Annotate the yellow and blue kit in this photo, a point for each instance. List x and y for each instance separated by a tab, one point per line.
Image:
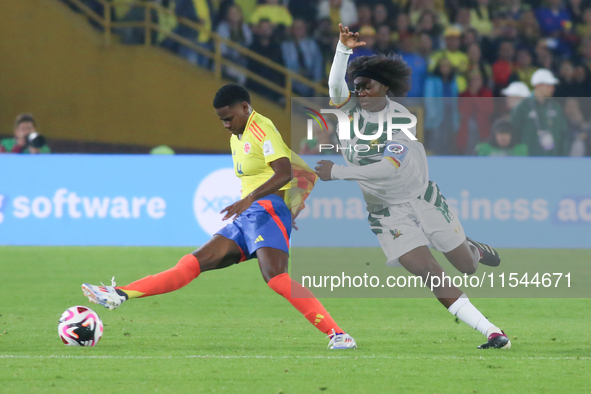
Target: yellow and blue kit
267	222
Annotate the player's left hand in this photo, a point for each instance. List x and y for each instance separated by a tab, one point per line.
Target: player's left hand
323	169
234	210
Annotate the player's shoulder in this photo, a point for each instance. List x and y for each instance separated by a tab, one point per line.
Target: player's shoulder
264	123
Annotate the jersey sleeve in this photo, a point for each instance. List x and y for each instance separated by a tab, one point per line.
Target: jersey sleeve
271	142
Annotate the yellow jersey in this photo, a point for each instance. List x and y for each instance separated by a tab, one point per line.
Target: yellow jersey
261	144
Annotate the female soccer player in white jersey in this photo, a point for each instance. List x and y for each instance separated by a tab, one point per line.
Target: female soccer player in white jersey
406	211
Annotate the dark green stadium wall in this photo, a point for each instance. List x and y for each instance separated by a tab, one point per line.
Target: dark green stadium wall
55	65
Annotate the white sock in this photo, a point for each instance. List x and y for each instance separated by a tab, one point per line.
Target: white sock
466	312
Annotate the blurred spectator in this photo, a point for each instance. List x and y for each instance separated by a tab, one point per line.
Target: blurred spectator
302	55
553	18
126	11
529	29
327	41
166	19
480	17
556	23
503	68
383	43
544	56
304	9
469	37
441	104
438	6
272	11
380	15
368	35
502	141
403	28
524	68
26	138
201	12
364	16
339	11
540	120
458	59
427	24
236	30
264	45
513	9
476	63
475	106
248	7
463	22
583	79
575	9
417	63
578	127
568	86
425	47
583	29
515	93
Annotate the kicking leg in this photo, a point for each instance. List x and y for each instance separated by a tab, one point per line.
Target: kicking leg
465	258
274	265
218	252
420	261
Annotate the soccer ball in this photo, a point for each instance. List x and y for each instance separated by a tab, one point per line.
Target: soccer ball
80	326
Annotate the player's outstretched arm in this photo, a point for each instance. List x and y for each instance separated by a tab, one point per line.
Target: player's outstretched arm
383	169
282	175
337	85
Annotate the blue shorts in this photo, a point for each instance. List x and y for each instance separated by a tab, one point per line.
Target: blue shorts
265	224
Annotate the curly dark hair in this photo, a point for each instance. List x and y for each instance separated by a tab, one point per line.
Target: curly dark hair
392	69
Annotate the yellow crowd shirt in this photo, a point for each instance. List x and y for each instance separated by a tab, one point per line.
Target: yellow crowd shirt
261	144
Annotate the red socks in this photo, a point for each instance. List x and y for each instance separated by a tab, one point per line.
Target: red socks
188	269
173	279
307	304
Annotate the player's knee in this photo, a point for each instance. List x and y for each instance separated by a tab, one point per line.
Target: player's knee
208	259
467	266
470	268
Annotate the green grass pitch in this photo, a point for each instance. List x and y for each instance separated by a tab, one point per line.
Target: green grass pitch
228	332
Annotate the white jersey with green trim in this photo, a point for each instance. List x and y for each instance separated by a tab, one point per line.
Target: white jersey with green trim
410	173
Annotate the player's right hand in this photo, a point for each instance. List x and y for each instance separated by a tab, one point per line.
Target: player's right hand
348	38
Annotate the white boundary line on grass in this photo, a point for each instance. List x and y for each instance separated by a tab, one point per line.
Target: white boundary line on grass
215	356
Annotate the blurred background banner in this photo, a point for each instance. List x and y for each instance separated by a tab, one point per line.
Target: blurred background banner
175	201
114	200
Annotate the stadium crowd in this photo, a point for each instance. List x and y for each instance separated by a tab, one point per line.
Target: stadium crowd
457	49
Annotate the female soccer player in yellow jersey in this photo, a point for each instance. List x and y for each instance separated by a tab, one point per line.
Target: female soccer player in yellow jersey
261	223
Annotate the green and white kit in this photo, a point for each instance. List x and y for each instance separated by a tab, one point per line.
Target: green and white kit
406	210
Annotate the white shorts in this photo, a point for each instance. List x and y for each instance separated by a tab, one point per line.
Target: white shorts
425	221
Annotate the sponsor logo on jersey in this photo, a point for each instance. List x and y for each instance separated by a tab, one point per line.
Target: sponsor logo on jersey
247	147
